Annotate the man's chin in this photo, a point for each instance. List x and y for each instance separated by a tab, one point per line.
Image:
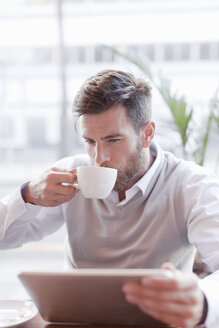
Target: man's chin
121	185
118	187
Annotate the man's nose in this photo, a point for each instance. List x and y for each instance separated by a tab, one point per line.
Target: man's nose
101	156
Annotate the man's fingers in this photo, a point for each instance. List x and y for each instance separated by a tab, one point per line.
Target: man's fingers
57	169
61	198
161	306
183	297
52	188
61	176
64	190
181	290
186	282
56	199
56	192
177	301
177	314
166	312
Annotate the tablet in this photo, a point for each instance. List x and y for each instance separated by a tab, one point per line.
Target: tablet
88	296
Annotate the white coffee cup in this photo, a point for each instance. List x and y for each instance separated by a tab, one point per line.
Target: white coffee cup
96	182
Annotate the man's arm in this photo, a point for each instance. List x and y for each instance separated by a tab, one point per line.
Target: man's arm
20	222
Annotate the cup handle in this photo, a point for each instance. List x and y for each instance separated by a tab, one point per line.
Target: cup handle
76	185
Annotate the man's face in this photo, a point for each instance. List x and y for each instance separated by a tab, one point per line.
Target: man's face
112	141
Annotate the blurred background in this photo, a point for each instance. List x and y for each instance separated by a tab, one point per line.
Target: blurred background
48	48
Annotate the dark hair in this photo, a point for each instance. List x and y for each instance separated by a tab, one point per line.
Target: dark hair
111	87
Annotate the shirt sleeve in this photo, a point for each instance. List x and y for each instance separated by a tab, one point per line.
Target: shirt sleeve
201	204
201	208
21	222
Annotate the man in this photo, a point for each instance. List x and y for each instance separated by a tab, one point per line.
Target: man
160	209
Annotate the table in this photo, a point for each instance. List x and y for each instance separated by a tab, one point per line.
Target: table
38	322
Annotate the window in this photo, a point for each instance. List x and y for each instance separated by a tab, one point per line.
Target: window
204	51
36	132
6	128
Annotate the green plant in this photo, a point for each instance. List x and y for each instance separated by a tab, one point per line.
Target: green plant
181	111
213	116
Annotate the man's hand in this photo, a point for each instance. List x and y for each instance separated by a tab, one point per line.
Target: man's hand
177	301
52	188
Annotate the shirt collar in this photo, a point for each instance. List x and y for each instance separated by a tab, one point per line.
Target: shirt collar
143	183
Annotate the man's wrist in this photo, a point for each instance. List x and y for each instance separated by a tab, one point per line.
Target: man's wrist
205	311
23	191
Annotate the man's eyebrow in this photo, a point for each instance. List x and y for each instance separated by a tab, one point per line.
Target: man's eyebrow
85	137
110	136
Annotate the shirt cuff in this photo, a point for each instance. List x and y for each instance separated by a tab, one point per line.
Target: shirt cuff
210	288
205	312
23	190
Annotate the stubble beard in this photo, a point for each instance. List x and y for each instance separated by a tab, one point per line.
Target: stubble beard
133	167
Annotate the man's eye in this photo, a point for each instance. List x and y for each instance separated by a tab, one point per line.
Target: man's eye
89	141
114	140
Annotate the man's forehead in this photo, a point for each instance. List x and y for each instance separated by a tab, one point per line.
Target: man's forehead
109	123
103	130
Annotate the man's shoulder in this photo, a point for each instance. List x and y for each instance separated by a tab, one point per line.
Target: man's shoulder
186	169
75	161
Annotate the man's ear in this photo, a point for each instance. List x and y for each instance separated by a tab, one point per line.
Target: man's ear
148	130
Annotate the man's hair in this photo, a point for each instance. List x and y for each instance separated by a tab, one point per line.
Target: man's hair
112	87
